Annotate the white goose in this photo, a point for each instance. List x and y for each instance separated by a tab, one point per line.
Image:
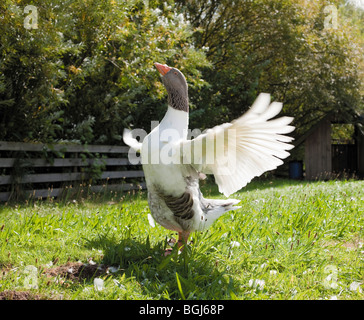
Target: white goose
234	153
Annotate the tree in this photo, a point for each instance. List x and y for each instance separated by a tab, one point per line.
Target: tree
87	71
280	47
30	73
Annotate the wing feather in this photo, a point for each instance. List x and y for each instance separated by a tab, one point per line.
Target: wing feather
247	147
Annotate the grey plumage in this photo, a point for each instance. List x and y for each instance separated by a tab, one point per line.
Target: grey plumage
176	85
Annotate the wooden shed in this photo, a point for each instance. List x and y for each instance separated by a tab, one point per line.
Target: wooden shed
325	159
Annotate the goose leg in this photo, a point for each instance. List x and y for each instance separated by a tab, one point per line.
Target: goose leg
182	239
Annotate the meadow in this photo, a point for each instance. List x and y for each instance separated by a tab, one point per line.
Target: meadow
290	240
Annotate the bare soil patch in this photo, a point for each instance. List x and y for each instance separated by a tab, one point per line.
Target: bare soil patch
71	271
18	295
76	271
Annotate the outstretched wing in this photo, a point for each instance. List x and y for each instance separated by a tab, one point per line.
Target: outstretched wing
247	147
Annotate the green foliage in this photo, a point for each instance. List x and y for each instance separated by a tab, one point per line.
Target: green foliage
87	71
342	133
30	73
280	47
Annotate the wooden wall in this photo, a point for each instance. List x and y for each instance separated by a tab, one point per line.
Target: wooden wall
318	163
25	168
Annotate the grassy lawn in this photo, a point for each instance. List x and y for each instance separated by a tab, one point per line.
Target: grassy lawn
290	240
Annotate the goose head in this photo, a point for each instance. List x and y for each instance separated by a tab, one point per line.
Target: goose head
176	85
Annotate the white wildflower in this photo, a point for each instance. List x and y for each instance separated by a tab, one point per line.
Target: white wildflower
330	282
256	283
306	271
156	11
86	289
180	18
151	220
293	291
273	272
355	286
98	284
118	284
234	244
113	269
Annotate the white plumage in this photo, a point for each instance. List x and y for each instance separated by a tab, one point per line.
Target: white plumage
257	145
233	152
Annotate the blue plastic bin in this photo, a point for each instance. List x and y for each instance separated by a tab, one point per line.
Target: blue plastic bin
296	170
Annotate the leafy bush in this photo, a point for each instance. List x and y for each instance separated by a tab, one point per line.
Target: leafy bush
87	71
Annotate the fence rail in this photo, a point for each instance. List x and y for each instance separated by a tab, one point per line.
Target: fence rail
41	170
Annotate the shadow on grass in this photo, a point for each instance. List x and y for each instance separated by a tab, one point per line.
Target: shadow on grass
185	275
209	187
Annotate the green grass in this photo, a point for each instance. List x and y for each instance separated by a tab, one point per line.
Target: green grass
284	243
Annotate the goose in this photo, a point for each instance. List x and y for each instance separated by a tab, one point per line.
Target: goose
234	153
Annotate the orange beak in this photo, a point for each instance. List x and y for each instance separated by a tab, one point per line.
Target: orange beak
162	68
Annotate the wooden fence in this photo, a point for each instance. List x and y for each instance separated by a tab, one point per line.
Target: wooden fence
39	171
